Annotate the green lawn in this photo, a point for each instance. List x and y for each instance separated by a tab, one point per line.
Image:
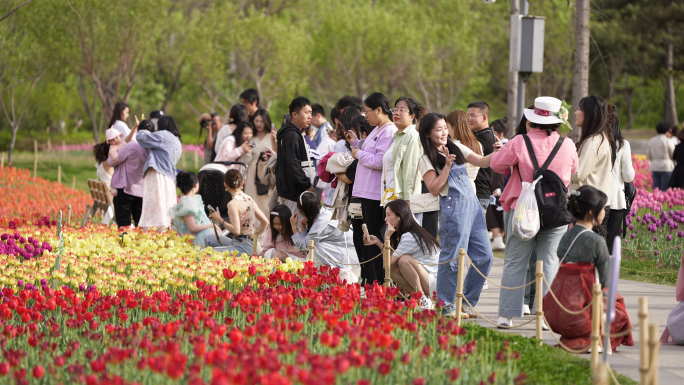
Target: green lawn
79	164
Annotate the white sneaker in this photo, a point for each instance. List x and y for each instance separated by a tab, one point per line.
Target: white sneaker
469	310
544	327
498	244
526	310
504	321
490	235
426	303
485	286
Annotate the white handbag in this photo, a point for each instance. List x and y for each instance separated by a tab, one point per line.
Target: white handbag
422	203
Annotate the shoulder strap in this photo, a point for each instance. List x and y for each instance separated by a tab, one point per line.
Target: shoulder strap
530	151
572	243
553	153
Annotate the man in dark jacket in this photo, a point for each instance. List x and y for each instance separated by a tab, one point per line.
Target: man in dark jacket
291	177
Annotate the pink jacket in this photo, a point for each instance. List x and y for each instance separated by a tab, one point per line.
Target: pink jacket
281	245
514	153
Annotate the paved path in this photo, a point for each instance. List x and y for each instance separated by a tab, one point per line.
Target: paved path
661	300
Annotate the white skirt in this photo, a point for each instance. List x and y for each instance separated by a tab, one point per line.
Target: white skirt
159	195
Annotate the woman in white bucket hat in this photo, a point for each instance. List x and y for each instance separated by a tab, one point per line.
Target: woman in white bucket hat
543	122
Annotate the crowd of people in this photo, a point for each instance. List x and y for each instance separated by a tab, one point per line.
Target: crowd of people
427	183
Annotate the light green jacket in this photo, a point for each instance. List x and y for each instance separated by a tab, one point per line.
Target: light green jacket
407	150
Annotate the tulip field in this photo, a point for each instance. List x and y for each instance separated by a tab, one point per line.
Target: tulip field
95	305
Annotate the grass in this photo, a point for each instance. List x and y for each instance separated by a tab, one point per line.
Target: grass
78	164
542	364
656	274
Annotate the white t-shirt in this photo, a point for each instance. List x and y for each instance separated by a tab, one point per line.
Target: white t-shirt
122	127
470	168
424	165
388	167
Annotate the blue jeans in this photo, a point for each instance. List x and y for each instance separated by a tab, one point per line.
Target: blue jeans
462	226
516	262
660	179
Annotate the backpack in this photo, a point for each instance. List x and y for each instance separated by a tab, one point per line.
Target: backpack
550	191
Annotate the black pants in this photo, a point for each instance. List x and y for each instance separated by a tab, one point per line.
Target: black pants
431	219
374	218
126	205
614	227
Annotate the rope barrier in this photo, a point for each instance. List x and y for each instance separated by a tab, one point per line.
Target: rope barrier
612	375
346	264
494	323
564	346
561	305
620	334
650	272
494	283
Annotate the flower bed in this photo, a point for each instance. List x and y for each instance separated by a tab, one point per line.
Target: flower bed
151	308
27	200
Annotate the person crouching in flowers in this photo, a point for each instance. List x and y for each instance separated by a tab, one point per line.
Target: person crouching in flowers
332	246
413	247
581	252
189	216
243	214
278	238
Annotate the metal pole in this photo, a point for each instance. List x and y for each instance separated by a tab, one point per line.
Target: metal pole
596	309
524	6
514	62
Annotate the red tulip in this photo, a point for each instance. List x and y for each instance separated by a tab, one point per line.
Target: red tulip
252	270
384	368
97	366
4	369
235	336
38	371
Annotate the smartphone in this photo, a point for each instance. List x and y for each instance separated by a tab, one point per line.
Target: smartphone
252	145
365	231
211	209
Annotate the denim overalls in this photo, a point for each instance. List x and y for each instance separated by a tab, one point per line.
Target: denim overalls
462	225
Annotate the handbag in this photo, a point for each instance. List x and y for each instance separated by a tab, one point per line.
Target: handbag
423	203
262	189
267	175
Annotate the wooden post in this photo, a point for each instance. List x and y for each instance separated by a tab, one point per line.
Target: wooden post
311	245
539	312
73	182
35	158
596	310
386	256
59	174
643	339
654	353
196	158
600	375
459	286
69	215
255	240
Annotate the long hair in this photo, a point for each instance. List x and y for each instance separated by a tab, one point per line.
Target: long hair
166	123
596	120
407	224
522	126
239	129
309	206
101	152
459	121
119	108
346	122
619	141
427	124
284	214
265	117
237	114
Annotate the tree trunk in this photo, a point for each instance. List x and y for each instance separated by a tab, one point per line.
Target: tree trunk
512	111
11	146
670	103
629	93
580	76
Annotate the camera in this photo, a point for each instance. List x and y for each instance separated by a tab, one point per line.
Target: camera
205	123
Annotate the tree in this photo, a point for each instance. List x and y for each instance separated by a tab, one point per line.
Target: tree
21	67
580	76
104	43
